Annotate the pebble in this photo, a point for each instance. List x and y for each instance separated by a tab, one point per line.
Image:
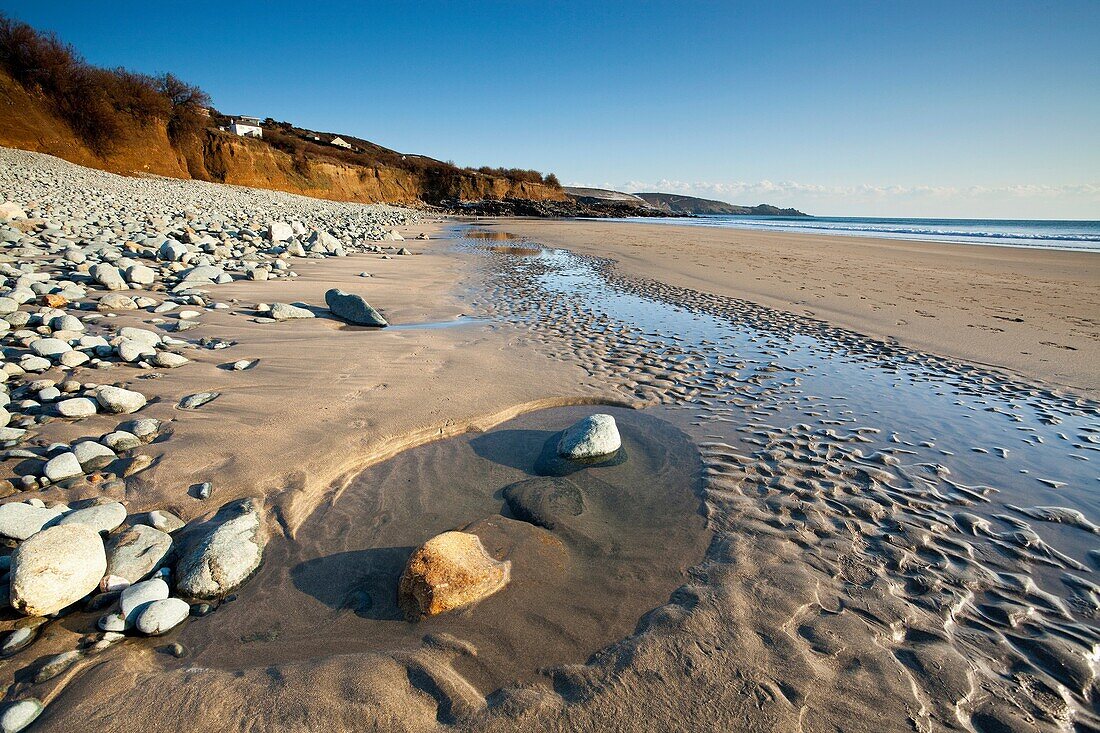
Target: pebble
161	616
135	598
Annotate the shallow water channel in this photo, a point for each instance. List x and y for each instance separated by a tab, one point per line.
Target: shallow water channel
970	495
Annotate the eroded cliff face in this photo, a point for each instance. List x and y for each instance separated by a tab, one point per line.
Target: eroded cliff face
26	122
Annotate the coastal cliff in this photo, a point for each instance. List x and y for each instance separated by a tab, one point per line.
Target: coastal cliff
29	122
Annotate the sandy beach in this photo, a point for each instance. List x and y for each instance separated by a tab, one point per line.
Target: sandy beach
1033	312
807	526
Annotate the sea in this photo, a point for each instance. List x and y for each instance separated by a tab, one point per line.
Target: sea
1083	236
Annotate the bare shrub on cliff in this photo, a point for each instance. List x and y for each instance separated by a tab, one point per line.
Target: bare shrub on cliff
98	104
188	103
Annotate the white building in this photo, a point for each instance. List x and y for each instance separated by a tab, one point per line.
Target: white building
340	143
246	127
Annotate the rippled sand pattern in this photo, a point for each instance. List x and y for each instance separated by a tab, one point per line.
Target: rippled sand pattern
903	542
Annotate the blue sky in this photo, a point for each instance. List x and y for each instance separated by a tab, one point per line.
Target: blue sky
883	108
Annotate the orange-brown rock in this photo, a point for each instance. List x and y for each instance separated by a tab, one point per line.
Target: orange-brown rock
53	300
451	570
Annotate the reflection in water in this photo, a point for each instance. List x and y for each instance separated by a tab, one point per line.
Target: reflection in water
930	494
526	251
490	234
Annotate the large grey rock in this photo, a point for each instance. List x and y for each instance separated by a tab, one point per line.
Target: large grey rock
286	312
141	275
595	435
108	276
353	309
277	231
136	552
118	400
103	518
135	598
56	568
61	467
18	521
92	455
50	347
172	251
141	336
116	302
162	616
168	360
131	351
224	552
76	407
204	273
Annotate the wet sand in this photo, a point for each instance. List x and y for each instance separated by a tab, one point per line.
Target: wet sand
897	541
1033	312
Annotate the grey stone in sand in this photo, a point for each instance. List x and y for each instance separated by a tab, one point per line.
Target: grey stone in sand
544	501
595	435
18	715
139	595
224	552
118	400
56	568
286	312
168	360
130	351
62	466
172	251
164	520
92	455
146	429
77	407
120	440
103	518
353	308
18	521
136	552
50	347
108	276
197	400
141	275
140	335
162	616
116	302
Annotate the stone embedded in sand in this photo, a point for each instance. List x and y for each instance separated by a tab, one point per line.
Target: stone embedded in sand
595	435
21	714
103	518
138	596
118	400
449	571
76	407
197	400
18	520
62	466
544	501
286	312
162	616
56	568
226	552
136	552
353	308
